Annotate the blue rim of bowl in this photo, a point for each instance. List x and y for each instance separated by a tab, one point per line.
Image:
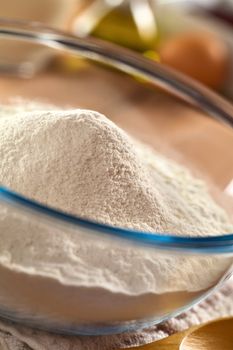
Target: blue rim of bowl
131	63
215	244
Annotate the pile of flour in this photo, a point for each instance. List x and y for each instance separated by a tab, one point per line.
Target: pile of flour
80	162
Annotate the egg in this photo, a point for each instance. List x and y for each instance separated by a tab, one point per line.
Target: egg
202	56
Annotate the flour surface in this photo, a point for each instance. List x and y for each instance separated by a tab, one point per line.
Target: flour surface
79	162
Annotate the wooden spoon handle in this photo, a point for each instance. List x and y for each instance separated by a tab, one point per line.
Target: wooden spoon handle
170	343
215	335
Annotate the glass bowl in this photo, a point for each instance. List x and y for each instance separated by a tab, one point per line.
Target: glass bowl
158	106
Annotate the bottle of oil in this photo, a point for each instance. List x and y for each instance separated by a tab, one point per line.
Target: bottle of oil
130	23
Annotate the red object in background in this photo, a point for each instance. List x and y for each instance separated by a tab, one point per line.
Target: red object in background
202	56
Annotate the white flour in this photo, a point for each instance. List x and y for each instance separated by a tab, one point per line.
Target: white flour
80	162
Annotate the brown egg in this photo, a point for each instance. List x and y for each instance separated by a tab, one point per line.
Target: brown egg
202	56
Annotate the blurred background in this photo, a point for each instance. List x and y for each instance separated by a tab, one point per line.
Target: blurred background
194	37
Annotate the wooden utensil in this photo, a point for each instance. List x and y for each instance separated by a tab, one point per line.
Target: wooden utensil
216	335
